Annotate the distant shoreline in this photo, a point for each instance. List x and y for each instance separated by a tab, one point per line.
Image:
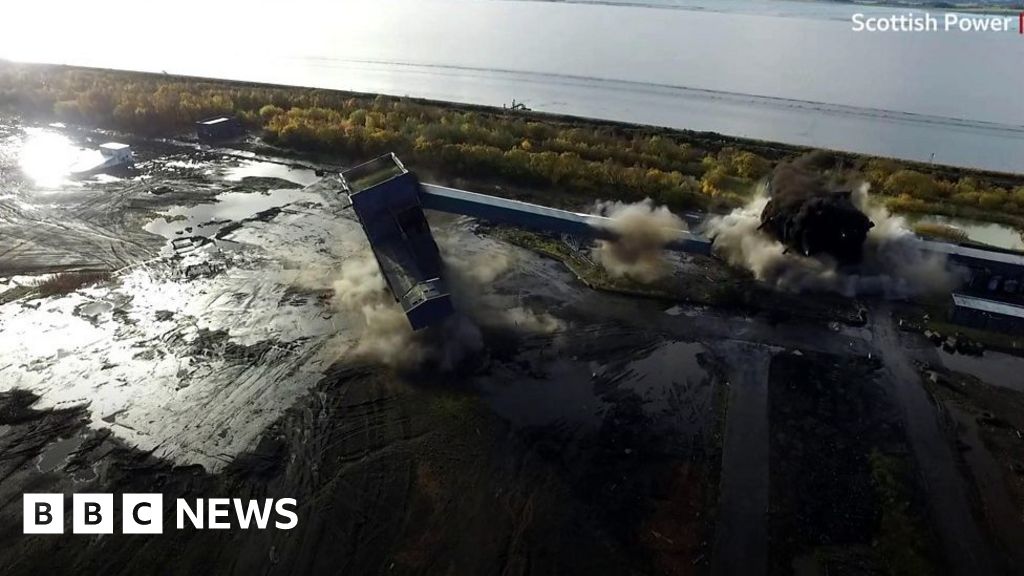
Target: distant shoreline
551	154
984	7
979	7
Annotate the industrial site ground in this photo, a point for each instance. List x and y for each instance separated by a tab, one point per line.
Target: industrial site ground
176	329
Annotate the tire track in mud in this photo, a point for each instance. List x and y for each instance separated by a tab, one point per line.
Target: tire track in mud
59	239
90	224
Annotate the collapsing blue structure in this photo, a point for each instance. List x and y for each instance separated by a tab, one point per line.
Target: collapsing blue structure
385	197
540	218
389	201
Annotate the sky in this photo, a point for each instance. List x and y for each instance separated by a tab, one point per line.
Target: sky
131	33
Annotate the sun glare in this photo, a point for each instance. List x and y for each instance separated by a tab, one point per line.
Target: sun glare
46	158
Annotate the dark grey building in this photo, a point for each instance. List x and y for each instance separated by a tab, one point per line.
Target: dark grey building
990	261
987	314
220	128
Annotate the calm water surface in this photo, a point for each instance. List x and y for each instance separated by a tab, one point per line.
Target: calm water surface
777	70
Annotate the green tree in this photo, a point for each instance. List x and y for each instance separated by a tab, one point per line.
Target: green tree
269	111
910	183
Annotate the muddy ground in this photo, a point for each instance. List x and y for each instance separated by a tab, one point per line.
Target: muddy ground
836	434
554	429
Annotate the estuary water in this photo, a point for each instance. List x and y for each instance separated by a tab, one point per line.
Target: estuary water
777	70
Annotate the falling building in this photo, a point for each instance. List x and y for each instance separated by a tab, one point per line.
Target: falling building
386	198
389	201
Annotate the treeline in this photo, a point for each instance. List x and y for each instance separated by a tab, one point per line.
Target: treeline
968	195
599	160
593	160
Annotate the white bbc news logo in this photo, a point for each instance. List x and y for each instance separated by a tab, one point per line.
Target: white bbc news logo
144	514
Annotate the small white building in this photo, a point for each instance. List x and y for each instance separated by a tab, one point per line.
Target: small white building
111	155
116	152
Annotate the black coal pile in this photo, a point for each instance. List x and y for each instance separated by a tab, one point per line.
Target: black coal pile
812	215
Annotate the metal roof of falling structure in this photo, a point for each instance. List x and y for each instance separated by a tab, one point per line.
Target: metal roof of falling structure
989	306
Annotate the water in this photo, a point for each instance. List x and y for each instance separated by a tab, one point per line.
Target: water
46	157
253	168
207	219
671	379
668	381
58	453
998	235
994	368
49	159
776	70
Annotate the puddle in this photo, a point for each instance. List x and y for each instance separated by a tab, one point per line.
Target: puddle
57	453
207	219
687	311
253	168
994	368
998	235
188	167
563	393
94	310
669	381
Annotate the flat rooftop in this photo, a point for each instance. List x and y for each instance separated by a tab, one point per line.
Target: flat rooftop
1008	258
990	306
369	174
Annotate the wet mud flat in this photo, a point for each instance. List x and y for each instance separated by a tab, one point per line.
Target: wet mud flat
984	423
638	440
845	494
208	363
406	473
59	223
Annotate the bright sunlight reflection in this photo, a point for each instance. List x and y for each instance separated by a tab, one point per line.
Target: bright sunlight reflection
47	157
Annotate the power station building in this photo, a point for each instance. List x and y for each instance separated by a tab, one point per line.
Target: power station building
389	201
992	296
386	198
985	314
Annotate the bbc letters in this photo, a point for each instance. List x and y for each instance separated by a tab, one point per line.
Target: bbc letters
144	514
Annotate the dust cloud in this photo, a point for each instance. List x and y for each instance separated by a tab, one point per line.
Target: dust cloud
471	278
892	264
378	331
642	231
813	213
373	328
